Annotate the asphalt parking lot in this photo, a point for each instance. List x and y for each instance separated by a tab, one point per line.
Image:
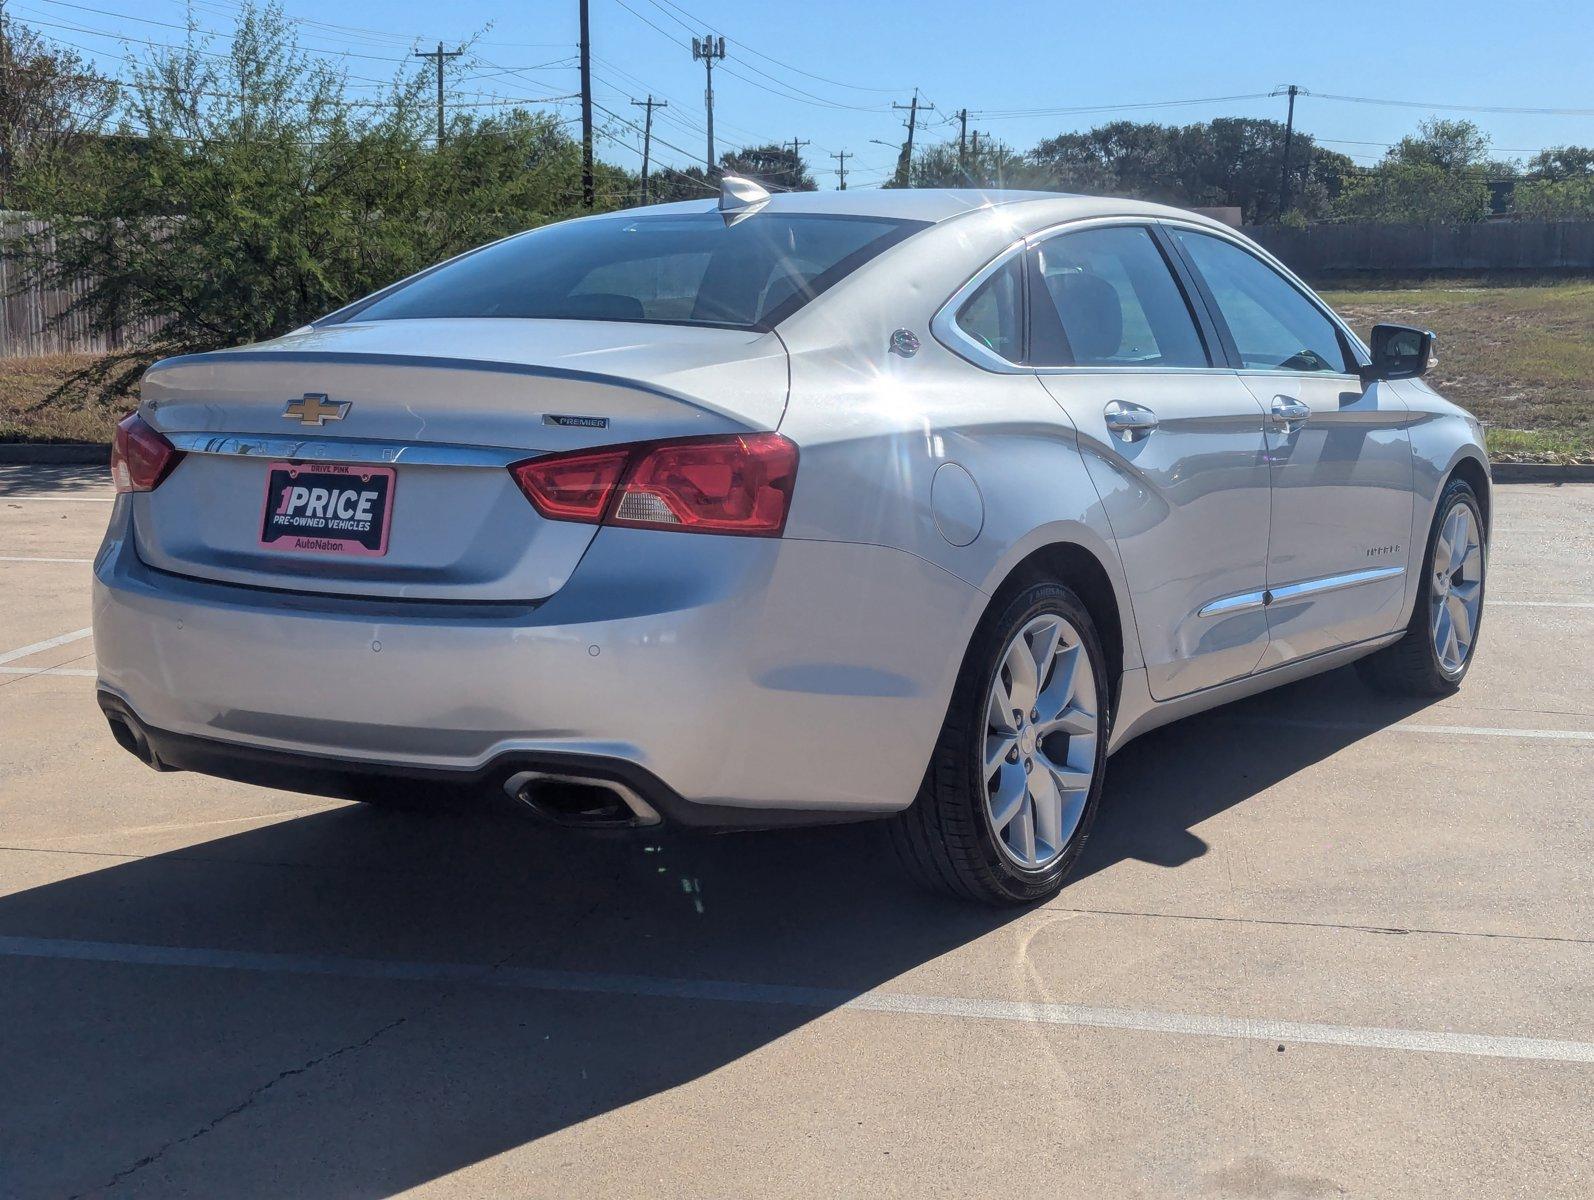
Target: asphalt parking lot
1322	944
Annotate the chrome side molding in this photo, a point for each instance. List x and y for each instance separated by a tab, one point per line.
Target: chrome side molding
1250	601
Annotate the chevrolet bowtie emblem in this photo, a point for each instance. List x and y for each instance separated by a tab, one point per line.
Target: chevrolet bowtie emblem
316	409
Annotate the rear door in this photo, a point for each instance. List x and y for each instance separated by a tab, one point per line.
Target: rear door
1172	439
1339	451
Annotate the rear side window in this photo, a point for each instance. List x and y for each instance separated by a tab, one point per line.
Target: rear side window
994	314
1106	298
1273	325
686	269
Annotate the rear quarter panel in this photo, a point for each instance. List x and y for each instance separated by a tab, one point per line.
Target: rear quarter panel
875	427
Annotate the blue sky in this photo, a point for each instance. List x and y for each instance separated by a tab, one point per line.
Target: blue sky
992	56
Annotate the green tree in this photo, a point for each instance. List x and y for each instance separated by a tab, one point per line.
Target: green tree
1562	162
50	102
775	166
1438	176
984	164
1231	161
1555	199
246	194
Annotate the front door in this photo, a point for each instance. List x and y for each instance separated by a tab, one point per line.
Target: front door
1173	443
1339	455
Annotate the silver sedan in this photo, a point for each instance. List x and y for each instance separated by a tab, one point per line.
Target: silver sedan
911	505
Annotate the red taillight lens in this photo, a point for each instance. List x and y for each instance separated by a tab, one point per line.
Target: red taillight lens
140	456
739	485
572	487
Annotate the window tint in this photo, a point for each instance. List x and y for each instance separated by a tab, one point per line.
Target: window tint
1273	325
994	314
1106	298
690	268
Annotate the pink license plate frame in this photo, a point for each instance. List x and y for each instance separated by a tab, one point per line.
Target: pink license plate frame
297	524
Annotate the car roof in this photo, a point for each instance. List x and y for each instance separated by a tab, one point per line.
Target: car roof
928	204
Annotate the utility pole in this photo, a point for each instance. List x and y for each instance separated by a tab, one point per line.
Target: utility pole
709	49
647	135
1289	135
585	52
439	55
841	157
905	163
796	160
963	137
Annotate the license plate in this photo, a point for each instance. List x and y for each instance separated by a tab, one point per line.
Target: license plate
327	508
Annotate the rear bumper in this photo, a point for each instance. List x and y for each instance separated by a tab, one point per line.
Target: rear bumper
494	783
704	673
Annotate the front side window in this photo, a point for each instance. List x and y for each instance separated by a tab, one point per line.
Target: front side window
1105	297
685	269
1273	325
994	314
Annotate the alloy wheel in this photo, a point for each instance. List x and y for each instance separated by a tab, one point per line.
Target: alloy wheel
1042	727
1457	588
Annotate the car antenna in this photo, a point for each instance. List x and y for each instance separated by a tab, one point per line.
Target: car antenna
740	197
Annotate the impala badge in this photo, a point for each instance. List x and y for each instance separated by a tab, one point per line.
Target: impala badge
316	409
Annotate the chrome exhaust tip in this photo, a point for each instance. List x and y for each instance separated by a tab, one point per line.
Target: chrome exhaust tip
580	801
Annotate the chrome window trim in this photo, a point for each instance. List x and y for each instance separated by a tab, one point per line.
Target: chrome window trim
1246	246
348	450
946	330
1227	606
944	326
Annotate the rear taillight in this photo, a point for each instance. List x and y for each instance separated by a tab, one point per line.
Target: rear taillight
140	456
739	485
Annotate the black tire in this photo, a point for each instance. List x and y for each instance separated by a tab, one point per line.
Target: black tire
945	839
1411	666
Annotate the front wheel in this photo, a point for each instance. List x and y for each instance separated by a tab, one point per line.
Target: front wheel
1015	779
1433	656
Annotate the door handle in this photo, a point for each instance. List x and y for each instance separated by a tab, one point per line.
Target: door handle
1130	421
1288	414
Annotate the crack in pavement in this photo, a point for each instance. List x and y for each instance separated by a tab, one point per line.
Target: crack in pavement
243	1105
259	1091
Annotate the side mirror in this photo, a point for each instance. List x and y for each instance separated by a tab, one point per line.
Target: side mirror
1400	352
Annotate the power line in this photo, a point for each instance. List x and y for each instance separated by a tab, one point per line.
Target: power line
1477	108
769	58
1009	113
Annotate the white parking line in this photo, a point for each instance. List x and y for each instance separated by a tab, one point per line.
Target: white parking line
78	671
47	644
1570	735
1428	1041
32	558
1539	603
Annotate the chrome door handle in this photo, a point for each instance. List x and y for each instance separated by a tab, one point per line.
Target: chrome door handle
1131	421
1287	414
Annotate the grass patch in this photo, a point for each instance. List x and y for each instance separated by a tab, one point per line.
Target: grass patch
1519	354
24	415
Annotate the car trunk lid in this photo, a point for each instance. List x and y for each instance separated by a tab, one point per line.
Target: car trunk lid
445	406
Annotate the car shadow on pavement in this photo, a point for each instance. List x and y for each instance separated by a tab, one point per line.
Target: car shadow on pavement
1167	782
286	1064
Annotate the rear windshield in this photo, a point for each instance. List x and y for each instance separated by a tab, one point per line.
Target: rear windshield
689	269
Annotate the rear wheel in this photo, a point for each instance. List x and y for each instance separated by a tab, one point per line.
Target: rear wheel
1433	656
1015	779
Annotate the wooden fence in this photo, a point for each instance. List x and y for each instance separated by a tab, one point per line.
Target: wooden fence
1324	251
27	313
